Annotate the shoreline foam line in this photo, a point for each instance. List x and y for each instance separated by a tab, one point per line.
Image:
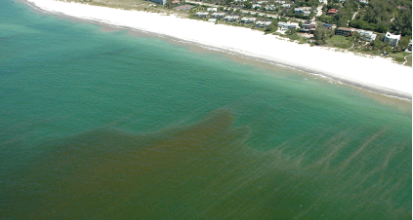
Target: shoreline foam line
376	74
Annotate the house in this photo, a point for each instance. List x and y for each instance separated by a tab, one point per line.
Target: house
212	20
392	39
269	8
288	25
212	9
280	2
256	6
364	2
161	2
343	31
328	26
231	18
302	10
218	15
323	1
175	2
201	14
262	24
286	6
248	20
309	27
367	35
261	2
332	11
341	1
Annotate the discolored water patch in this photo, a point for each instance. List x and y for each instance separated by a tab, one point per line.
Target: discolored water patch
204	171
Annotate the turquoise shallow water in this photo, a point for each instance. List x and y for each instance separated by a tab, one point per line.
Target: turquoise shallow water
97	125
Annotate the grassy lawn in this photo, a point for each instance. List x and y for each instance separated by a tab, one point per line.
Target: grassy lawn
339	42
399	57
409	60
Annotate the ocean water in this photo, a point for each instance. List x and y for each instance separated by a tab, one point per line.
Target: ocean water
114	125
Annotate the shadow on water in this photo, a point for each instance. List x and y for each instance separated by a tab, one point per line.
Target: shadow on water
206	171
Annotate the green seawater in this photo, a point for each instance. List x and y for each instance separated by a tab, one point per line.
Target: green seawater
113	125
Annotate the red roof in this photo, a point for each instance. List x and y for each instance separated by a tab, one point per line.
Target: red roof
332	11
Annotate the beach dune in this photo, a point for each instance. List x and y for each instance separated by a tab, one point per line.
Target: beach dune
373	73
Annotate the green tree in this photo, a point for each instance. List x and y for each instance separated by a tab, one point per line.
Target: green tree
248	5
404	43
322	34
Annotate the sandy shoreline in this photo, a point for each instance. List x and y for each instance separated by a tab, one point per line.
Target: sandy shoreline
374	74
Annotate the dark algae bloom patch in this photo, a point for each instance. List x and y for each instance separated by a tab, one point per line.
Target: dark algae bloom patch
206	170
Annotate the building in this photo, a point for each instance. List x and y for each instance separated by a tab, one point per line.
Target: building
280	2
263	24
367	35
332	11
218	15
364	2
261	2
201	14
287	25
309	27
269	7
256	6
302	10
231	18
212	9
342	31
175	2
392	39
248	20
323	1
286	6
328	26
161	2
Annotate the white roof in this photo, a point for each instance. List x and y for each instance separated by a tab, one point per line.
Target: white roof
248	19
392	36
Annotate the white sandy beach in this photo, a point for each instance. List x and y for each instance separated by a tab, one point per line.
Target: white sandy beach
377	74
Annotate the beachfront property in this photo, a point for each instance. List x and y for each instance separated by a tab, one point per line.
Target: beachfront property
212	9
231	18
248	20
212	20
256	6
288	25
367	35
392	39
309	26
343	31
201	14
332	11
263	24
218	15
161	2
